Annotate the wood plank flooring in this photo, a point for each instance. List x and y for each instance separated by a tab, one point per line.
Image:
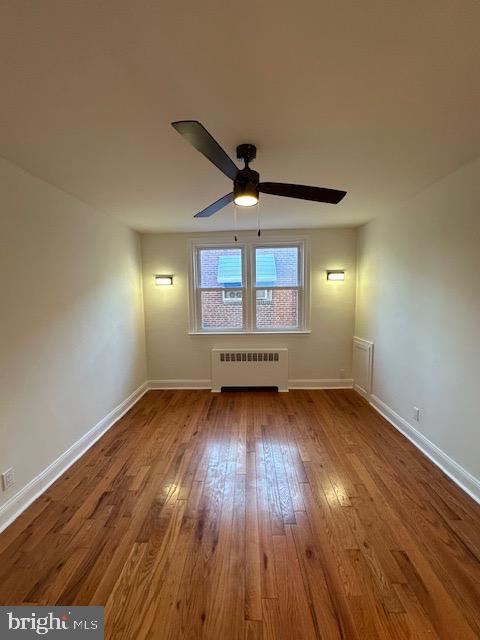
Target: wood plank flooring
253	516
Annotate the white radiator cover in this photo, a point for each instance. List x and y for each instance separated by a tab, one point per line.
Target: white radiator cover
362	366
250	368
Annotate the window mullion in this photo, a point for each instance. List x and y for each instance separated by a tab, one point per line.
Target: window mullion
198	309
253	295
248	288
300	310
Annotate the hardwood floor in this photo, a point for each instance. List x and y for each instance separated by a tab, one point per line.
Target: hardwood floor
253	516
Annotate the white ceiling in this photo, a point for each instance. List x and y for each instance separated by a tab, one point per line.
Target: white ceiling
378	97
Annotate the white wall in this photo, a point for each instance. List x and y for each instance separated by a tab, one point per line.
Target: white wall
418	300
174	354
72	343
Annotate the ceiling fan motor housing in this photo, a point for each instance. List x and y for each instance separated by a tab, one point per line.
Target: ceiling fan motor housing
246	183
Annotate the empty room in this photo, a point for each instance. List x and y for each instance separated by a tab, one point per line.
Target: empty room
239	320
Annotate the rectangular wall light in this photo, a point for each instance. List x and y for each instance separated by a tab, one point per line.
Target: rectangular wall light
336	275
164	280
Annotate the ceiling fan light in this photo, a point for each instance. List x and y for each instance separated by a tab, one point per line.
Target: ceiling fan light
245	193
246	200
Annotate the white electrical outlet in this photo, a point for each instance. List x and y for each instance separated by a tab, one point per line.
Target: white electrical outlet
342	374
416	413
8	479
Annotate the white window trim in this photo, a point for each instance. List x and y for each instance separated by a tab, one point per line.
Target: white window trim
248	290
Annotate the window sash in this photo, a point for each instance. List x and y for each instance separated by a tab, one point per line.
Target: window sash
226	329
299	326
299	287
198	289
299	246
198	264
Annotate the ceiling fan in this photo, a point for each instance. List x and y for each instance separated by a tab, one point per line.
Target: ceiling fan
246	181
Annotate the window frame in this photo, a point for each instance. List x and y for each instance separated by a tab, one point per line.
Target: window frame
299	287
249	288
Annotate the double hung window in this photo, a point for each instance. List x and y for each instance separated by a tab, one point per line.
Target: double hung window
248	288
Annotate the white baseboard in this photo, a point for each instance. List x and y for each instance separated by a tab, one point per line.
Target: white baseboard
180	384
327	383
11	509
321	383
363	392
452	469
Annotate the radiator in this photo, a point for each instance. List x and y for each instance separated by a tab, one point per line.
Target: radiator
250	368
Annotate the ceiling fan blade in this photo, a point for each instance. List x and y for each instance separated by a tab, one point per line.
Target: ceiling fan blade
199	137
215	206
317	194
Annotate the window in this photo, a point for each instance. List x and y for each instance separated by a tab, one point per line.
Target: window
219	282
232	296
264	294
248	288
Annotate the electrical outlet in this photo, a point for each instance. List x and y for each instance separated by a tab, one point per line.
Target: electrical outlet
416	413
342	374
8	479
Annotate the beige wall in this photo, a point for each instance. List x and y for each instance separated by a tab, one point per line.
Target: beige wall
174	354
71	321
418	300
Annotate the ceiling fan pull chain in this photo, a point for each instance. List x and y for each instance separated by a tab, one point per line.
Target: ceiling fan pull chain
259	233
235	222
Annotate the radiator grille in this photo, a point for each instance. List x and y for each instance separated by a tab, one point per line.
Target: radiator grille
249	356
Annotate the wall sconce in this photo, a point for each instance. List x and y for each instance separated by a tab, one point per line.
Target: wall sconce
336	274
164	280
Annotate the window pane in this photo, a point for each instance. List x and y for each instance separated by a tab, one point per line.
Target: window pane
276	266
220	268
220	310
276	309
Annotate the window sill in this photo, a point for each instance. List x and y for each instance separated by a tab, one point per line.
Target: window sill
249	333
